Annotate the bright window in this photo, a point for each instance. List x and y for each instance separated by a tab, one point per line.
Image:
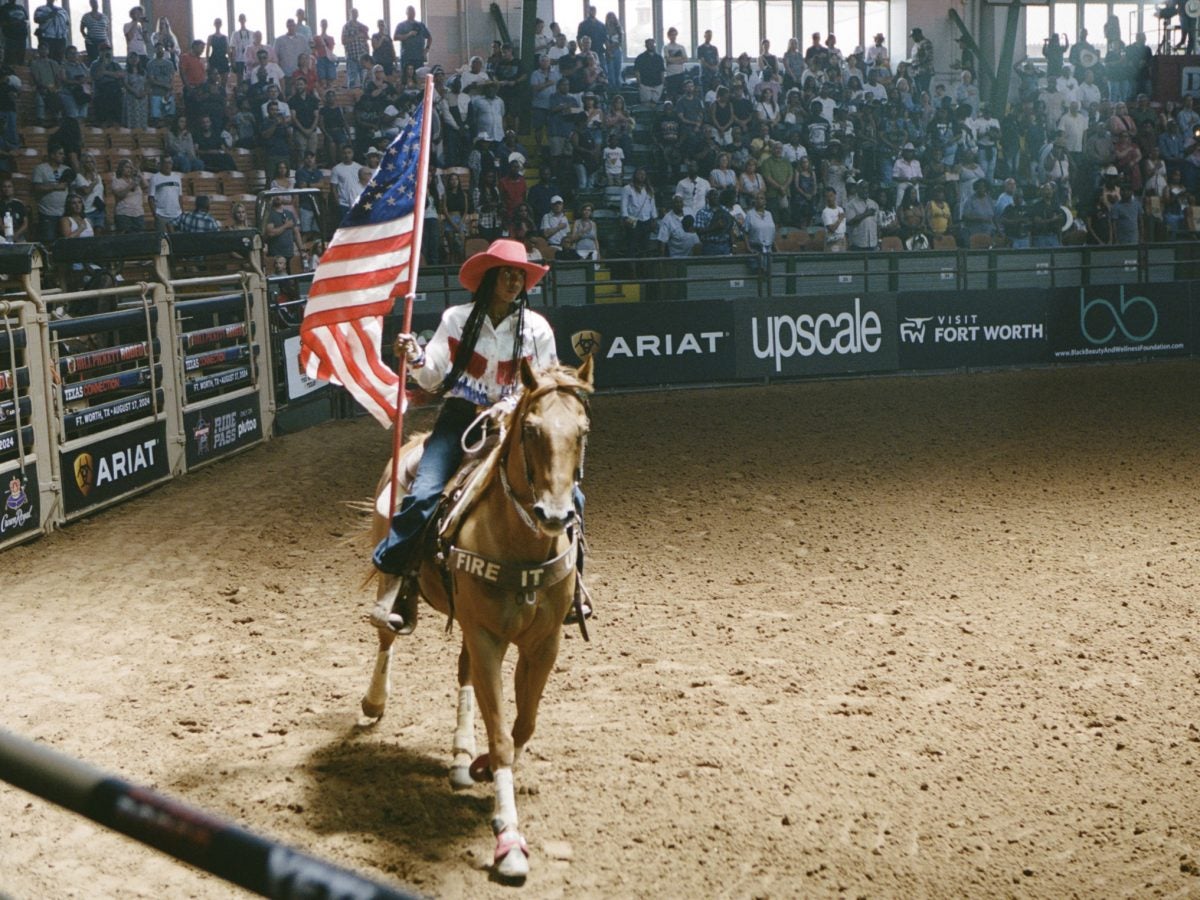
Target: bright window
780	26
710	16
1127	16
1037	29
678	14
875	21
846	27
639	25
815	18
744	19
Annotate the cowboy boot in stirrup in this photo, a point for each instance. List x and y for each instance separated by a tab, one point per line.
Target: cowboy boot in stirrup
398	613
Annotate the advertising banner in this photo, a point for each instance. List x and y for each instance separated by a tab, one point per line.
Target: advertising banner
221	428
298	383
19	511
113	466
1108	322
647	344
798	337
975	328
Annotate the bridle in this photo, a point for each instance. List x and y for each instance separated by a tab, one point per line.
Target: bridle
518	423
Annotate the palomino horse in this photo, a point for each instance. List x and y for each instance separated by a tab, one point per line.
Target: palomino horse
511	577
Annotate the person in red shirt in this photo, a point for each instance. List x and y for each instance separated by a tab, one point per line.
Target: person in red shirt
192	67
513	188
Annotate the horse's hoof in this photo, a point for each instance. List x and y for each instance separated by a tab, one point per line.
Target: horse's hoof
481	768
460	778
372	710
512	856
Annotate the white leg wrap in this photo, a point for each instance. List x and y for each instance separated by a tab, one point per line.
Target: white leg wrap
464	733
506	804
380	686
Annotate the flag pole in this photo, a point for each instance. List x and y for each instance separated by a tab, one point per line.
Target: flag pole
410	288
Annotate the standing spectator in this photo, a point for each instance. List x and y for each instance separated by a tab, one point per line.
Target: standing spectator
73	223
906	172
14	26
166	193
777	173
383	51
1016	222
199	220
344	182
513	189
326	59
288	47
614	162
714	224
137	41
47	75
614	51
555	225
760	230
694	189
160	75
107	77
265	72
356	39
129	214
877	55
136	110
193	71
938	217
218	53
414	39
922	60
282	232
584	239
239	43
53	31
833	218
302	27
164	37
1125	219
487	113
276	136
213	145
978	213
710	64
637	214
595	31
649	69
95	28
306	134
862	224
308	175
50	187
542	83
457	214
75	91
1046	219
675	56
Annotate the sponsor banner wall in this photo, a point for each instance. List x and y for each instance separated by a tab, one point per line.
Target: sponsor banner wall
221	428
648	343
110	467
1108	322
19	511
977	328
815	336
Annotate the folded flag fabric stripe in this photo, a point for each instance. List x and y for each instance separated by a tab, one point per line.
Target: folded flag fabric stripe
367	266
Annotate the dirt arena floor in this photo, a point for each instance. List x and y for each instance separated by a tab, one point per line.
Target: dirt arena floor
922	637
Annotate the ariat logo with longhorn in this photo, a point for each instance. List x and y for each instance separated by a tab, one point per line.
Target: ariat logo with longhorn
585	343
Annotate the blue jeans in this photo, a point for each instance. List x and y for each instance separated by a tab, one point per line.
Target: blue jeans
1046	240
440	459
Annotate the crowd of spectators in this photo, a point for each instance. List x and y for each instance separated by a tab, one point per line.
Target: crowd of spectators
663	153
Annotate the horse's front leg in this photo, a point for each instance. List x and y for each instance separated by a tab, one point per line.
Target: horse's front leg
464	732
487	654
533	671
375	700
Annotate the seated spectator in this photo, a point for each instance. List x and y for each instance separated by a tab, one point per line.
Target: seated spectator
199	220
181	147
213	145
10	205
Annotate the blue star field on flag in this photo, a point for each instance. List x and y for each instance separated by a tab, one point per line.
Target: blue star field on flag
391	191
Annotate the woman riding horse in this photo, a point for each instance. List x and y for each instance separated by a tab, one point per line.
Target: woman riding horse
474	360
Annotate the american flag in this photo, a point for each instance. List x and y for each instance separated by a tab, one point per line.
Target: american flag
368	264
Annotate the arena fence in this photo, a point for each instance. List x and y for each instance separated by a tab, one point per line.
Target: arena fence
256	863
112	390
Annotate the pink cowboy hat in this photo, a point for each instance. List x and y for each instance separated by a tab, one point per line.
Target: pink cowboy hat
500	253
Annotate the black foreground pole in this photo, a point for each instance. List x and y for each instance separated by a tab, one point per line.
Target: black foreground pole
186	833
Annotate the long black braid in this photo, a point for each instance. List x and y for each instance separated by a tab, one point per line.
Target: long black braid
470	336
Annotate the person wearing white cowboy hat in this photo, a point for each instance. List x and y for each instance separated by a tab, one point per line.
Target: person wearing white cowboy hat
473	360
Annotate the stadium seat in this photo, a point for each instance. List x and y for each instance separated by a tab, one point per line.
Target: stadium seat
981	242
945	242
891	244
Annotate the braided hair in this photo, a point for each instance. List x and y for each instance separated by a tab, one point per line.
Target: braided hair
474	324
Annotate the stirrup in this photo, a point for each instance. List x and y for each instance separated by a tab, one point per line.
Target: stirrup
572	617
401	616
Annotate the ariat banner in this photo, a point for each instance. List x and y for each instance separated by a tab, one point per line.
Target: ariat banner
113	466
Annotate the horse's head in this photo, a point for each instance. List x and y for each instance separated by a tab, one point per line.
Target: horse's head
551	428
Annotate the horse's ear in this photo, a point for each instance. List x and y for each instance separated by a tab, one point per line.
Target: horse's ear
584	372
528	378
